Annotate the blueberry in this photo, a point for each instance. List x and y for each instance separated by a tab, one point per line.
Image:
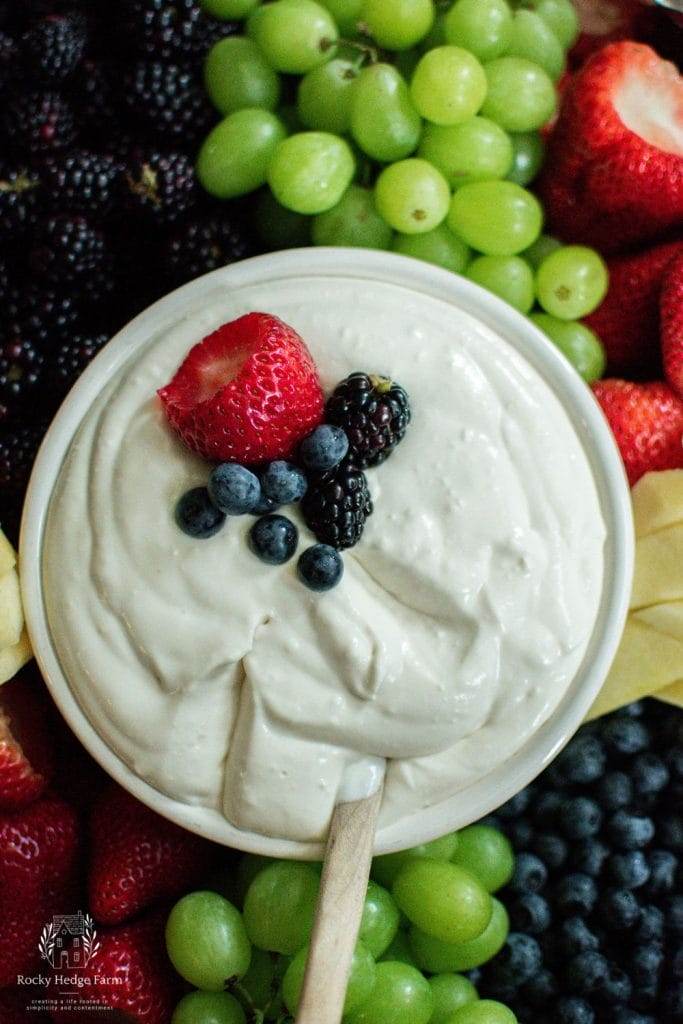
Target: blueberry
618	909
625	1015
274	539
552	850
673	914
540	988
324	448
663	866
586	971
671	831
519	959
580	818
196	515
582	760
616	987
546	808
572	1010
672	1001
516	805
649	773
521	833
320	567
530	874
234	489
646	962
651	924
576	894
589	856
630	831
283	483
576	937
677	963
674	759
615	790
625	736
264	506
629	870
530	913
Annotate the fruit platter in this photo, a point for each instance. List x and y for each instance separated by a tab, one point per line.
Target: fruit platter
341	467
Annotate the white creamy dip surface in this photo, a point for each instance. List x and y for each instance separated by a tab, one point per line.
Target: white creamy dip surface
461	619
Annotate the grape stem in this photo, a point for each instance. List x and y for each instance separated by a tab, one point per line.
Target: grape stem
369	52
253	1014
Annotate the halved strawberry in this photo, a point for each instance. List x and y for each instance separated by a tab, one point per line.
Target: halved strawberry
647	423
247	393
614	173
26	740
672	323
627	321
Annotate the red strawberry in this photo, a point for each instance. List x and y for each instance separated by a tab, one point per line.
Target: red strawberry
247	393
627	322
26	743
614	173
672	324
134	955
38	864
647	422
139	858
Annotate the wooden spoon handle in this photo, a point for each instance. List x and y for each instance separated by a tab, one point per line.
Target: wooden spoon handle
340	906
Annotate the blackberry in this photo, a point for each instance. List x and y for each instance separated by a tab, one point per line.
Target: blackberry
161	186
201	246
38	124
18	447
175	30
82	182
336	506
72	357
374	412
168	100
54	46
21	370
69	248
18	192
9	59
43	314
95	98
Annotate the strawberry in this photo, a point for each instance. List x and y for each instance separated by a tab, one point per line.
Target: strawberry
145	989
26	743
627	322
647	423
672	324
39	847
614	172
139	858
247	393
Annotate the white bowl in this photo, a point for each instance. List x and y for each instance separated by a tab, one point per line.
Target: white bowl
367	267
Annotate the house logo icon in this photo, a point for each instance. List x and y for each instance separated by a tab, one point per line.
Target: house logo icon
69	942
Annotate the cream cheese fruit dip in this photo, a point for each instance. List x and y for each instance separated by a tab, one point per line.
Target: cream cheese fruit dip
461	619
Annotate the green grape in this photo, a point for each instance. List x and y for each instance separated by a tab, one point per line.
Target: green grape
361	979
542	247
478	150
439	246
486	1011
280	228
399	951
401	995
208	1008
236	76
250	864
280	905
229	10
310	171
571	282
497	218
354	221
578	343
207	941
450	991
528	155
521	96
385	868
235	156
294	35
398	24
384	122
412	196
483	850
324	96
443	900
380	920
511	279
562	17
347	13
448	85
484	27
533	38
437	957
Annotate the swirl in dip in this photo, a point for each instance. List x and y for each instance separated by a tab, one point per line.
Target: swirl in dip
462	617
